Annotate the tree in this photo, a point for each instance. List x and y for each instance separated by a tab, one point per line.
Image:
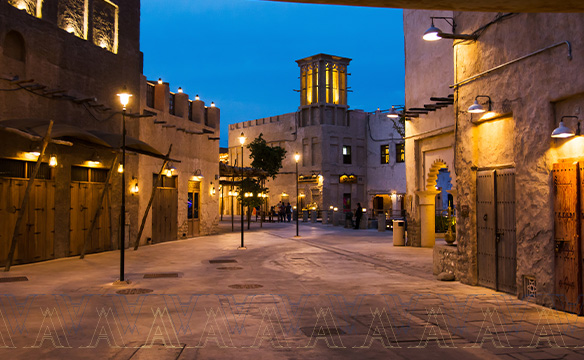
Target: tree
265	157
249	189
399	125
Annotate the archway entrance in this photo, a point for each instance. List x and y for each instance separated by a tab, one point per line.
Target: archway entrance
438	187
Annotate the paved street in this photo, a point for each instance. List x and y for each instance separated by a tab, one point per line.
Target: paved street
332	293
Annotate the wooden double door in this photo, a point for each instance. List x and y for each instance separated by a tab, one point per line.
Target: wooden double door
85	201
37	232
165	210
496	240
568	186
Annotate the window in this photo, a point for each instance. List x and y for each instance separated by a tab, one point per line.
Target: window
171	104
32	7
150	95
384	154
23	169
400	153
336	84
346	154
190	110
85	174
309	84
105	25
14	46
193	205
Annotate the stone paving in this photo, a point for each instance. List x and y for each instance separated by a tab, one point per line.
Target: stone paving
332	293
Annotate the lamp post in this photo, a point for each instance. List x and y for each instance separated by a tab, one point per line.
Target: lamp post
297	158
242	141
124	100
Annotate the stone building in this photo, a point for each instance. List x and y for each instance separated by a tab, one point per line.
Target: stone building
518	192
347	156
66	61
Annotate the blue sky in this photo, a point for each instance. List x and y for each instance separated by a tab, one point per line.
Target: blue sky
241	53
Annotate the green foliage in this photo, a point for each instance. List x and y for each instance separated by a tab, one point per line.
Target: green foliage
265	157
253	186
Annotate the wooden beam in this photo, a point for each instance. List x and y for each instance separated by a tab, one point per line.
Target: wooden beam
158	178
98	211
27	192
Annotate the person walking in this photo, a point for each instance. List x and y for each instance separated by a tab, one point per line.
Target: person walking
282	214
358	215
278	209
289	212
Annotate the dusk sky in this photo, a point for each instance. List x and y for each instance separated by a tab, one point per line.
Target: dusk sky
241	53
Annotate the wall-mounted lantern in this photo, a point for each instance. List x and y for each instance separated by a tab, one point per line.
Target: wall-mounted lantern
563	131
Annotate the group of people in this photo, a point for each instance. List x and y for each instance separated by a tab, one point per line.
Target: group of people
282	211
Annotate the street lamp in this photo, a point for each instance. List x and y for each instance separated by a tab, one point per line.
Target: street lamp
297	158
242	141
124	100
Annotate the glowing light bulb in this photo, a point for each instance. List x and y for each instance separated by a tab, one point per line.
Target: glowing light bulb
53	161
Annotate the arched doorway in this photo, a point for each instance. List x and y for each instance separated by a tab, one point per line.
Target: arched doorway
438	177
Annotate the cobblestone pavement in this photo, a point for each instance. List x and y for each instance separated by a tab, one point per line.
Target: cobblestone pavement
332	293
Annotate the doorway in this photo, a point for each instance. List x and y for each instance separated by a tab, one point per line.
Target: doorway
164	210
568	190
193	203
496	241
87	186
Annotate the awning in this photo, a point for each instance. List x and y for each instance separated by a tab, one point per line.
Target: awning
38	128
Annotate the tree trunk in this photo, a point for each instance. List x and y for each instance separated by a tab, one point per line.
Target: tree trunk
248	216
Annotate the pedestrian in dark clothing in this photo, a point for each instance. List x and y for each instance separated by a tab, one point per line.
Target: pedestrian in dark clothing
272	213
358	215
289	212
282	213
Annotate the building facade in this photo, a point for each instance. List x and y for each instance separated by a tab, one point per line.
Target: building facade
67	61
341	163
518	189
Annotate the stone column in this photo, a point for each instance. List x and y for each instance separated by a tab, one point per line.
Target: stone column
324	217
427	216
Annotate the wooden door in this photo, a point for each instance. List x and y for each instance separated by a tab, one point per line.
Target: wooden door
566	239
486	238
496	240
505	233
193	208
85	198
165	211
37	232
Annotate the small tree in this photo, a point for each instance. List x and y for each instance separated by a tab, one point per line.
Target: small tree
265	157
251	187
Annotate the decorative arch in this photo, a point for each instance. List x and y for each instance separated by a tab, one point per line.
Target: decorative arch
433	173
14	46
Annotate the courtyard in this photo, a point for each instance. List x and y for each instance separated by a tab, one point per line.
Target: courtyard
332	293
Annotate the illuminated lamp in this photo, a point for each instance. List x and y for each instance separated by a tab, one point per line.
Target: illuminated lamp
53	160
124	97
242	139
197	97
121	168
393	113
94	161
563	131
180	90
159	81
212	104
297	157
433	33
477	108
